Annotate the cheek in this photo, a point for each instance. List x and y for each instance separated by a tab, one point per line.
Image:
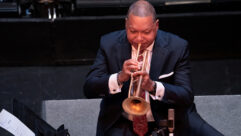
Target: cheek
151	37
130	37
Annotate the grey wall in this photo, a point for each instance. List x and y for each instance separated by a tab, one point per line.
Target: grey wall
33	84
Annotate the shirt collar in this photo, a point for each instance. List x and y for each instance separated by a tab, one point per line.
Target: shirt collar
150	47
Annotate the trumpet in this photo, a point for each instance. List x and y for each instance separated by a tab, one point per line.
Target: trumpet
135	104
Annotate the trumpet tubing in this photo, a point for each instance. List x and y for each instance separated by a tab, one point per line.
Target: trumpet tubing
134	104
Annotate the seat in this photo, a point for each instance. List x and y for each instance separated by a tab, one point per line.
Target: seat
80	115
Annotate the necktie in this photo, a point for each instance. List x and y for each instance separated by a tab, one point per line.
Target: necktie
140	125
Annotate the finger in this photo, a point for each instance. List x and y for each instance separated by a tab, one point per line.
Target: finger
146	76
131	62
132	68
138	73
129	73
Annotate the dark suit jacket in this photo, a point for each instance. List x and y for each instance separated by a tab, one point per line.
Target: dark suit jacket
170	54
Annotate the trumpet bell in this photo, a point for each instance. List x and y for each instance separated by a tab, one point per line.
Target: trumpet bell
135	106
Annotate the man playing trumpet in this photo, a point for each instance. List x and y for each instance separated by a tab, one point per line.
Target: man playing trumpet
165	79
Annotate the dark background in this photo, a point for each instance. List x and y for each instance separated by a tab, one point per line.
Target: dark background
44	59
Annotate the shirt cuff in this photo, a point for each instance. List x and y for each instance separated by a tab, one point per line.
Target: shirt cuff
160	90
113	84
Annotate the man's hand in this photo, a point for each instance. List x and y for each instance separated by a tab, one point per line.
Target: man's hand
147	84
128	67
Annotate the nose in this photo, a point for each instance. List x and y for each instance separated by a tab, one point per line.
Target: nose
139	37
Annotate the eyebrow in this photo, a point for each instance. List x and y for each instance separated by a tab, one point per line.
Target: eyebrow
149	27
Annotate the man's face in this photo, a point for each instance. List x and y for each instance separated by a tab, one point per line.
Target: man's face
141	30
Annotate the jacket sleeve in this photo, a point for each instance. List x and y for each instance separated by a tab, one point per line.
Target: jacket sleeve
179	91
96	84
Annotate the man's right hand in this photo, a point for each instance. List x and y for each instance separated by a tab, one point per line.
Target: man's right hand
128	67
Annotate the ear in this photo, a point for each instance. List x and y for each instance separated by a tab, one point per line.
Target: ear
126	22
157	24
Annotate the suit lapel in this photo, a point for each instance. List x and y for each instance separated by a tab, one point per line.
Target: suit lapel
124	53
159	55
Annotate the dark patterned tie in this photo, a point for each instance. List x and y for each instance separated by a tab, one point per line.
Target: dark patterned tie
140	125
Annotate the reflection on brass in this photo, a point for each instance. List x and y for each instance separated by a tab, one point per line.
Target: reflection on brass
135	106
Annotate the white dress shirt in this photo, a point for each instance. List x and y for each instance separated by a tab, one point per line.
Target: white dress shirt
115	88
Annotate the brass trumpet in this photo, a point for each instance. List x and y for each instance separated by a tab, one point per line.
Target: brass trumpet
134	104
